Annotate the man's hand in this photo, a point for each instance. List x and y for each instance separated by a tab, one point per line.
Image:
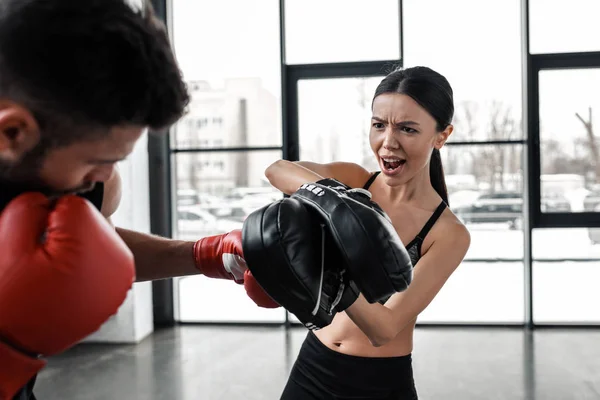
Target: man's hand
222	257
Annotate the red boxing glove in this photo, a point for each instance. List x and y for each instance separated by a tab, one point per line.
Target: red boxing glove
16	368
63	272
222	257
256	292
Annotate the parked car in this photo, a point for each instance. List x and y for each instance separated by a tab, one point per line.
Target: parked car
254	197
498	207
592	201
236	211
554	202
189	197
506	207
594	235
194	222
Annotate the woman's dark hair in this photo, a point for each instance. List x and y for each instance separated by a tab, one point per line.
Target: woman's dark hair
432	92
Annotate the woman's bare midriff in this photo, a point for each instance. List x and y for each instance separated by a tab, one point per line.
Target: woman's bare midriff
343	336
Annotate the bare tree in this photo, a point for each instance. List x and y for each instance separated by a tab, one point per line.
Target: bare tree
465	128
491	161
553	157
465	125
593	144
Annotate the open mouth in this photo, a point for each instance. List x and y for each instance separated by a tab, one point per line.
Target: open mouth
392	164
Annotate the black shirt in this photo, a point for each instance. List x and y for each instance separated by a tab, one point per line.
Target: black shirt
9	192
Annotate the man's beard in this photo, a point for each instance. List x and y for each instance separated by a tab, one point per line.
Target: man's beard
25	175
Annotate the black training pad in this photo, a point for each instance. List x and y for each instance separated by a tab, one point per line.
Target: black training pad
282	247
376	257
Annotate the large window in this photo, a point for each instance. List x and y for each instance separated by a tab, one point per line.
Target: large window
334	117
564	163
480	56
569	140
485	185
565	275
338	30
483	160
561	27
230	61
522	166
230	58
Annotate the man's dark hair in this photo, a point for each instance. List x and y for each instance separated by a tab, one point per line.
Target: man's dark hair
82	66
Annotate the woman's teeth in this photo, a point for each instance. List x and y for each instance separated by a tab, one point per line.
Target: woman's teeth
392	164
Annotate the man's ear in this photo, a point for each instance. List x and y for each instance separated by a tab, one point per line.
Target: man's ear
442	137
19	131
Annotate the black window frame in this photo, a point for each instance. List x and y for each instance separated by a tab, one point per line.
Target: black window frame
161	152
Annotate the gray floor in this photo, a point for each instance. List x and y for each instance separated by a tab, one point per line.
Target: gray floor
229	363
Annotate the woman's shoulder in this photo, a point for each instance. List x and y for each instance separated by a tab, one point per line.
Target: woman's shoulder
448	231
451	231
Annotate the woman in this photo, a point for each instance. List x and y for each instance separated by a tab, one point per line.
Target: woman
366	351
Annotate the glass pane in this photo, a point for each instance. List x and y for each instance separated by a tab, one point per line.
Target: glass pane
337	31
485	191
496	286
561	27
215	192
480	292
565	276
569	140
485	186
485	73
217	300
334	120
235	81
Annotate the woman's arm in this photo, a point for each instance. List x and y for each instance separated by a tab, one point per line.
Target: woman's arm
382	323
288	176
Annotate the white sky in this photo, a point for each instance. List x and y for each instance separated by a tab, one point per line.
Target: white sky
474	43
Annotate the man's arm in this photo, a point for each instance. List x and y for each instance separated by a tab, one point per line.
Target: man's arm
159	258
155	257
217	256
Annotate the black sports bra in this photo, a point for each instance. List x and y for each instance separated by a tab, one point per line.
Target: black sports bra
414	247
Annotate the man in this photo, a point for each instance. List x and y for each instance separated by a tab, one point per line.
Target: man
80	82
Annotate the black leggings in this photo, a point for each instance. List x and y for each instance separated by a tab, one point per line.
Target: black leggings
324	374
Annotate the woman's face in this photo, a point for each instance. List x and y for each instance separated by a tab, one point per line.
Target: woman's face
402	136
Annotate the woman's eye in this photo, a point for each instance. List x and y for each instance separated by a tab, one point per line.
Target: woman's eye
378	125
408	130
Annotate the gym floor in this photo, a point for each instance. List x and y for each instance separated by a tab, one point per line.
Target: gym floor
213	363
